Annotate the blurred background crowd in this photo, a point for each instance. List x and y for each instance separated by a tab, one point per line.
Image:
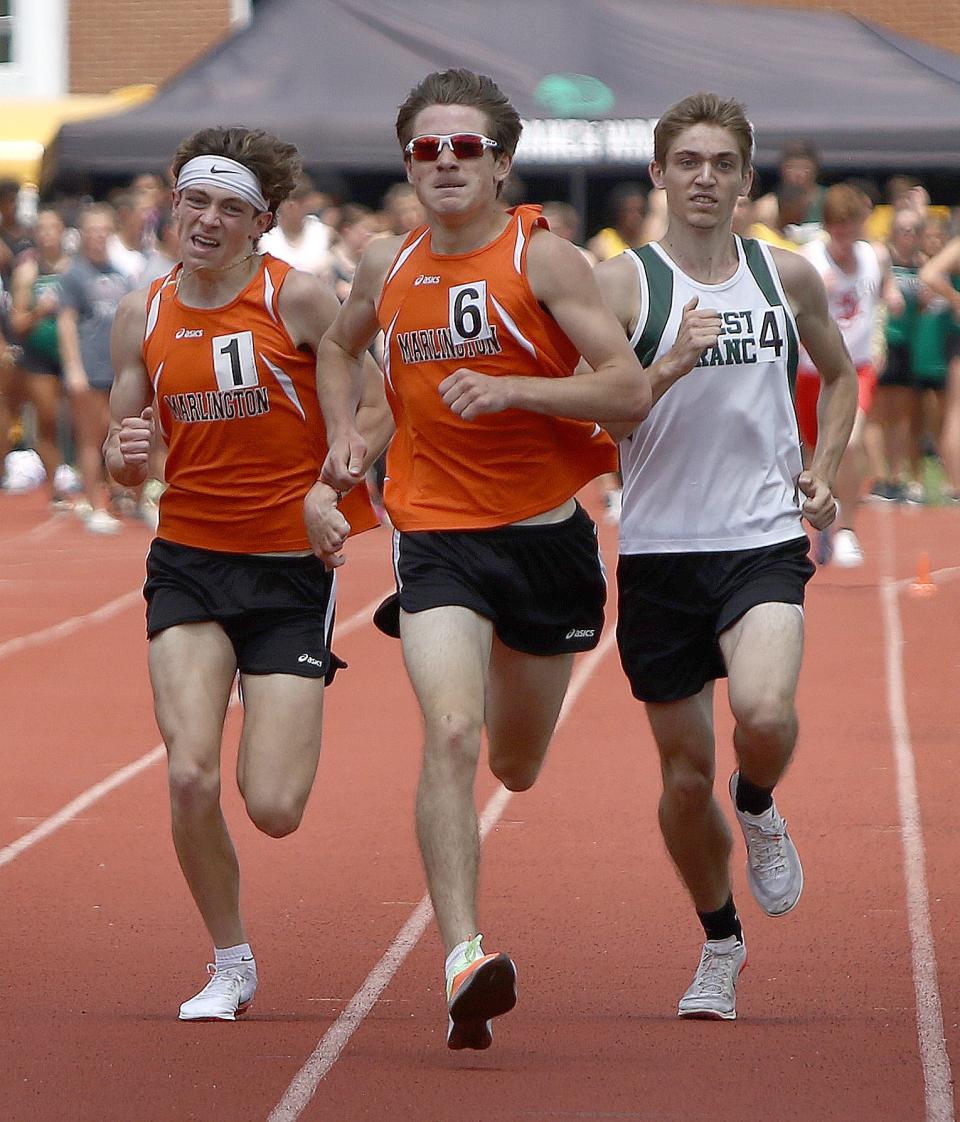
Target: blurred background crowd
66	261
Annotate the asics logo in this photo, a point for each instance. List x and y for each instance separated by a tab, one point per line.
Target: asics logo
424	279
187	333
308	659
581	633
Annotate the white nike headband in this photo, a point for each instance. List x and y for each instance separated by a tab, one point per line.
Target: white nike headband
220	171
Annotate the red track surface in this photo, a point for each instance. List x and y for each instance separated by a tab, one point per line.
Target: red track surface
100	942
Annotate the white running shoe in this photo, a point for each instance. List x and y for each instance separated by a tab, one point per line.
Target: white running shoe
774	872
102	522
712	995
847	553
226	996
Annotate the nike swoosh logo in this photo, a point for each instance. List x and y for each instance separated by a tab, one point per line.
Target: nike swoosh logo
220	171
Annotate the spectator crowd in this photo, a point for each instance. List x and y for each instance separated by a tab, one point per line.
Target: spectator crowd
64	268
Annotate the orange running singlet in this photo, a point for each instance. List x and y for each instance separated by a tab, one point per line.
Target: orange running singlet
237	405
440	312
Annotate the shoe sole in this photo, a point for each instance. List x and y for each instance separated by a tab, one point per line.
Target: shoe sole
713	1014
706	1015
241	1009
763	907
489	992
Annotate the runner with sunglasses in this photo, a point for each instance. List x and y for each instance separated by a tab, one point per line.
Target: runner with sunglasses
499	577
220	355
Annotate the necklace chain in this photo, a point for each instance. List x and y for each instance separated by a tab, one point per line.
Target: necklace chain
219	269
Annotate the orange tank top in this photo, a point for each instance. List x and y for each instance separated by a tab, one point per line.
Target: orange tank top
440	312
237	406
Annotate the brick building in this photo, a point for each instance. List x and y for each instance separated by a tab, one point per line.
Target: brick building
53	48
931	21
125	42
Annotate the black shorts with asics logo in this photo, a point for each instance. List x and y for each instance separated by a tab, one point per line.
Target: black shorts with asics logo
543	586
276	611
674	606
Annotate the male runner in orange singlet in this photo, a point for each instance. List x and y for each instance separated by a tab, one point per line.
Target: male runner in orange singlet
498	572
220	353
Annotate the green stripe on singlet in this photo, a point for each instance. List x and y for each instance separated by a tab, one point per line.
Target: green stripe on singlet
757	265
660	300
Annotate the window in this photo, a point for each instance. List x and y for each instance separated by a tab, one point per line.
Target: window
6	31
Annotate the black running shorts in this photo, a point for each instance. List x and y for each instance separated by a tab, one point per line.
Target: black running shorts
277	611
898	370
673	607
543	586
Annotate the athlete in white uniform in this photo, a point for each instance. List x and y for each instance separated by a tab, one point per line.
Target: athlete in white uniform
856	279
713	555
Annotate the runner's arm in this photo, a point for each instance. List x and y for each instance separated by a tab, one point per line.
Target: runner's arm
341	362
308	308
68	338
616	387
619	283
129	437
936	273
837	404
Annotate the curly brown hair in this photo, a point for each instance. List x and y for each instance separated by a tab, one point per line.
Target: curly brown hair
275	163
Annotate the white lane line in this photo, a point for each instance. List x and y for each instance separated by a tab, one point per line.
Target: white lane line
934	1058
40	532
304	1084
93	794
69	626
78	805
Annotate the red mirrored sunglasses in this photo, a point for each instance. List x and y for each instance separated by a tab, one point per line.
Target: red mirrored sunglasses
463	145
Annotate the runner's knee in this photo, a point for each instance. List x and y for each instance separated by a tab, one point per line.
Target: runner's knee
516	776
194	789
687	782
276	815
767	720
454	738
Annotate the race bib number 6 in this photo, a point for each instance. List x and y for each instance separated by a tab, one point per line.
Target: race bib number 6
468	313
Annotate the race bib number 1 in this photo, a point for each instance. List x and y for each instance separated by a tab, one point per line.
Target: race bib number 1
234	362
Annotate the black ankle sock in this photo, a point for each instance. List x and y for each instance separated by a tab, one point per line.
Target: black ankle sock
752	799
722	923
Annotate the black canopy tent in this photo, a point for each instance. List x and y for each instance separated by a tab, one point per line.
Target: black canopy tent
589	77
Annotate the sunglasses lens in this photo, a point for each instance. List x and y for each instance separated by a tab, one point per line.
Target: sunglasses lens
464	145
425	148
467	147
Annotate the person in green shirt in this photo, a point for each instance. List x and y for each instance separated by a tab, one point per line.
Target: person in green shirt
33	318
941	273
890	425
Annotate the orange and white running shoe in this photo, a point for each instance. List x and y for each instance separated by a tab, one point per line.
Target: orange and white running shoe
479	988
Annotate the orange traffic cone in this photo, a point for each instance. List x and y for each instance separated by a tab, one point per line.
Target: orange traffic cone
922	584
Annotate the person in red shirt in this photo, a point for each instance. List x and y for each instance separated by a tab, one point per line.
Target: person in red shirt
485	313
219	356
